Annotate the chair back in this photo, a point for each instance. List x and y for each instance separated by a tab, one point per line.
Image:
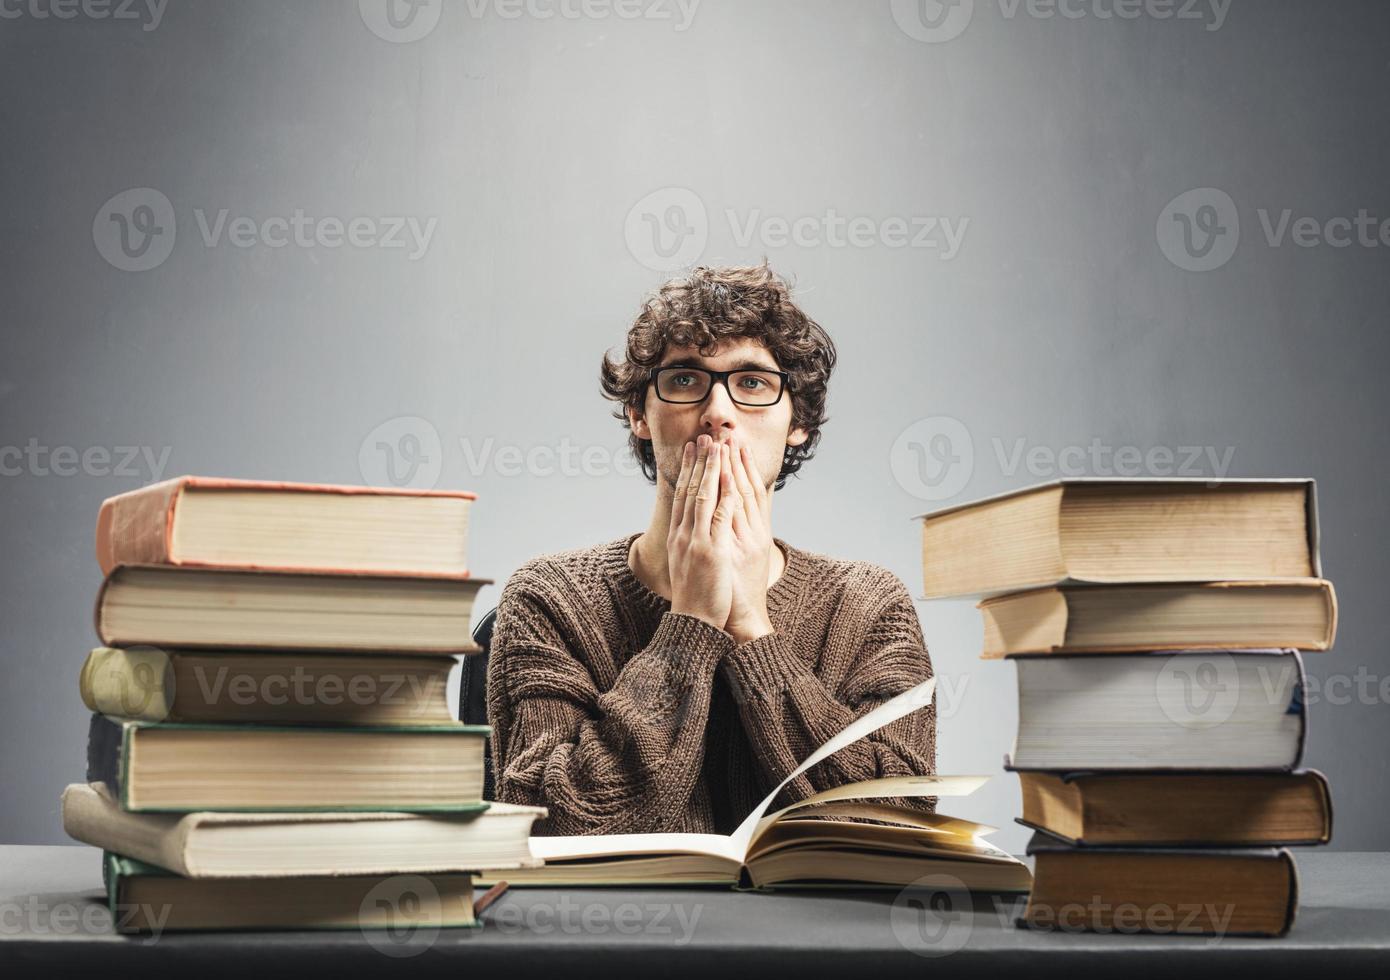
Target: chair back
473	690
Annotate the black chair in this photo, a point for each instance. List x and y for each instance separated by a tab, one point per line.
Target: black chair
473	690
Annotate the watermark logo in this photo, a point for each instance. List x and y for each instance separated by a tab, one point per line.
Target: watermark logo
400	916
1125	918
1198	691
34	915
146	690
933	916
149	13
933	21
1199	229
532	915
305	231
667	230
135	229
38	459
400	21
933	458
402	452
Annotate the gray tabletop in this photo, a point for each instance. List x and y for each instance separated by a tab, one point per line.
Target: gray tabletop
53	921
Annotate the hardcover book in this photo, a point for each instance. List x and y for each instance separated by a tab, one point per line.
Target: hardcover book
185	767
264	524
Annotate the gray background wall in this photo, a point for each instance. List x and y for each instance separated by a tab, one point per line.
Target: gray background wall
545	150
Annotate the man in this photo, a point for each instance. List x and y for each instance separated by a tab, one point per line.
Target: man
668	679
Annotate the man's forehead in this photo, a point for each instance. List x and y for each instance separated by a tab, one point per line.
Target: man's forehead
729	353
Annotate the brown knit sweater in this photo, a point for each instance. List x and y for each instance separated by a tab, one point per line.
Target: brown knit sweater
621	716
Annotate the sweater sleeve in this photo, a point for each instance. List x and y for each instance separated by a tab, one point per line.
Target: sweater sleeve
621	760
788	710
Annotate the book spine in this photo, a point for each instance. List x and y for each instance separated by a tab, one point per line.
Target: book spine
136	683
137	527
104	751
1298	705
90	818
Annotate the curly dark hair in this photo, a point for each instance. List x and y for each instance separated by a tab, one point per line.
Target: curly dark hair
700	310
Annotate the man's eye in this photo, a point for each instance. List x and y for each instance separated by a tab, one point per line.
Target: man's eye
756	381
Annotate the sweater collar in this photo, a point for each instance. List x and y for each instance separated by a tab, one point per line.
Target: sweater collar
782	594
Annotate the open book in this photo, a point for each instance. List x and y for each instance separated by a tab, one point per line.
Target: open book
797	846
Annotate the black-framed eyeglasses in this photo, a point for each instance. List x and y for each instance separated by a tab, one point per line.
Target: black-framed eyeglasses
687	385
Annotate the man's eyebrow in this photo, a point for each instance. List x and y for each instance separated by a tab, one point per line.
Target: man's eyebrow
741	366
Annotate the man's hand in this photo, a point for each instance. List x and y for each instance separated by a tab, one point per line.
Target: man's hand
699	540
751	543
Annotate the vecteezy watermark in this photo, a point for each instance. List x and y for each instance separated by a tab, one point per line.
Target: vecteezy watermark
401	915
934	458
303	231
933	916
145	684
1210	919
1199	230
402	452
1198	691
135	230
400	21
669	228
33	915
407	451
37	459
596	917
1278	680
147	13
1201	690
403	21
936	21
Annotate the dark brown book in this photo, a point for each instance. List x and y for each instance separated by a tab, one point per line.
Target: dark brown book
1235	809
1251	892
145	898
146	683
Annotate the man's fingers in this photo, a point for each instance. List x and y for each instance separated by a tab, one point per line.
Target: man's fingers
707	498
730	508
744	482
722	526
678	495
740	522
692	485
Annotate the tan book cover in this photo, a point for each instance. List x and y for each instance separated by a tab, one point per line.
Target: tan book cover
286	526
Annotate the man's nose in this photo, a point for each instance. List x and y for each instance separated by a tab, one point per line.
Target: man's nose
719	414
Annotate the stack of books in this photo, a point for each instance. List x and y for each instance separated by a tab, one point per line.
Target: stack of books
272	743
1156	628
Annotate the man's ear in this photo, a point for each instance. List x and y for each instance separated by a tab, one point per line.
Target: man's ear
639	425
797	436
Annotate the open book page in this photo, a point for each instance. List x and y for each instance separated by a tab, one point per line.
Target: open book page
938	823
601	845
886	786
735	847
